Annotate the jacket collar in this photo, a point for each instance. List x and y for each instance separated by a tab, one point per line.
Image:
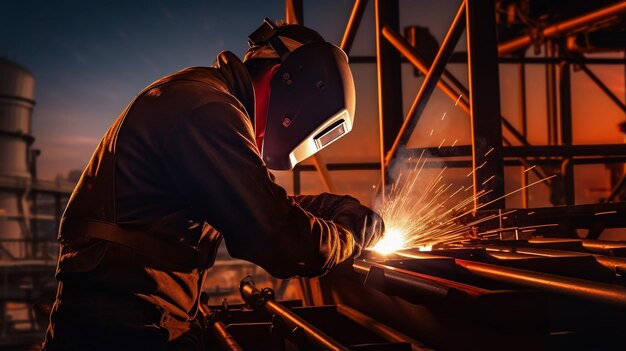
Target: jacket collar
235	75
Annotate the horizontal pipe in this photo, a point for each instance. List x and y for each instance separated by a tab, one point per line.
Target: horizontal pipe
531	151
374	166
565	27
579	288
425	284
460	57
615	264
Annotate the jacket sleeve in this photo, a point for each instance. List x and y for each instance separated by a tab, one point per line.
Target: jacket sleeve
215	165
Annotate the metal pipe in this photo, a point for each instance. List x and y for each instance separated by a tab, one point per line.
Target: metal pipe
564	27
226	340
257	299
579	288
615	264
551	95
353	25
294	12
379	328
430	82
565	101
457	57
619	187
524	123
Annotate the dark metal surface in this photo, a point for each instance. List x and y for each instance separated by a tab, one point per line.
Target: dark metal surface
484	90
389	75
565	101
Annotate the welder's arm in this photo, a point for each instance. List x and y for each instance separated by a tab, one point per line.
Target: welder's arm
367	225
213	161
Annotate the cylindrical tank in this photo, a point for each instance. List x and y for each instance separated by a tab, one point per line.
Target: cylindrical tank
17	99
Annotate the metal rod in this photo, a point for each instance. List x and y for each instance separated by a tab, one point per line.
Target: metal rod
524	124
389	75
294	12
379	328
429	83
551	107
565	100
580	288
255	298
619	187
564	27
353	25
603	87
531	151
322	169
461	58
224	338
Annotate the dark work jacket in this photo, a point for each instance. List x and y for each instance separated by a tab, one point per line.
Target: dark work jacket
186	146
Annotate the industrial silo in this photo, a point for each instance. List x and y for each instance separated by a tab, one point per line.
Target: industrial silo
17	89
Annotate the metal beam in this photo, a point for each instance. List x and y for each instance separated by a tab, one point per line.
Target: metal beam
486	126
565	100
563	28
389	74
353	25
294	13
429	83
602	86
461	57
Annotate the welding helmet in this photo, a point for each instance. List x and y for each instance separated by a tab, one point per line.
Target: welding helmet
312	98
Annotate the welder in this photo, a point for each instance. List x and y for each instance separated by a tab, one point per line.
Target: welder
186	164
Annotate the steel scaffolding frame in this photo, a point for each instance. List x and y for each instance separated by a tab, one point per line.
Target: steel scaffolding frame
481	98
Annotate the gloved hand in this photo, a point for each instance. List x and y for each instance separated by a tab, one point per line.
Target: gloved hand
366	226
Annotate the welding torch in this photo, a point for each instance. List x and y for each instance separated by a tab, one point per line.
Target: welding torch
298	327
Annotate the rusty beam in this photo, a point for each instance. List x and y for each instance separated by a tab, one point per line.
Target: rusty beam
563	28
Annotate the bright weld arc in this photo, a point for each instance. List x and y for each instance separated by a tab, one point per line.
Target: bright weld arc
417	214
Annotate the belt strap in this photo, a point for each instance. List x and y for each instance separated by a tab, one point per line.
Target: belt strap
168	254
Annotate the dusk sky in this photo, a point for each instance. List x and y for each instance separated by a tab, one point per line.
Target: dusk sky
90	58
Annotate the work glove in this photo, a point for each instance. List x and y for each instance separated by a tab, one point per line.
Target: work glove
366	226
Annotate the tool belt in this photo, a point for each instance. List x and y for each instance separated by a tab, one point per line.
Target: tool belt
169	255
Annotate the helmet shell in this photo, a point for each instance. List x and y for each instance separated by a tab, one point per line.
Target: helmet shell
312	103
